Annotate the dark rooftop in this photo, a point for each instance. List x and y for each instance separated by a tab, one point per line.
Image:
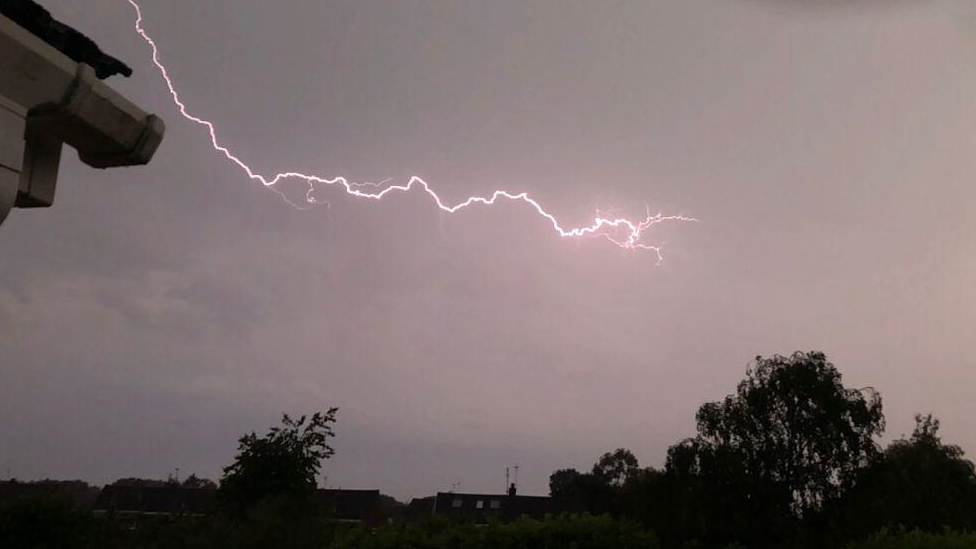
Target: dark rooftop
482	507
31	16
77	492
345	505
170	500
352	505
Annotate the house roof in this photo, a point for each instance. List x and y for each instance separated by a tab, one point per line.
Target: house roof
77	492
174	500
361	505
38	21
352	505
482	505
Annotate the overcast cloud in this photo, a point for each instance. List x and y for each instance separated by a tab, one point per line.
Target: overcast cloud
155	314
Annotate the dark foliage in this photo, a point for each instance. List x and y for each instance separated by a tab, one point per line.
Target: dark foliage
599	491
901	539
792	424
196	482
768	457
577	532
278	470
563	483
44	523
615	468
787	461
918	483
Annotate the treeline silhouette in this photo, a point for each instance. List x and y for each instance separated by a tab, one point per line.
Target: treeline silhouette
788	460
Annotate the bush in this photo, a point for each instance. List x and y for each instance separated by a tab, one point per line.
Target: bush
565	532
43	523
901	539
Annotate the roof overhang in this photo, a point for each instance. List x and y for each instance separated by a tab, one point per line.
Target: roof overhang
46	100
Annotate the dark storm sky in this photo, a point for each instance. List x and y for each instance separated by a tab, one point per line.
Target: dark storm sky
154	314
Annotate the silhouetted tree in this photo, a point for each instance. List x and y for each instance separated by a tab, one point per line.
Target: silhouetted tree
716	499
598	491
564	483
280	466
646	497
194	481
919	483
614	468
789	439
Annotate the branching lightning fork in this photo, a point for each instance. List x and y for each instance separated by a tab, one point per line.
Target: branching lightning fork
623	232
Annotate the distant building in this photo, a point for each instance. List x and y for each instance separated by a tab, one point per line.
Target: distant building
155	500
490	507
420	508
77	492
359	506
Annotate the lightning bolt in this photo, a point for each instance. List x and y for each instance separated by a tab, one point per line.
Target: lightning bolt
623	232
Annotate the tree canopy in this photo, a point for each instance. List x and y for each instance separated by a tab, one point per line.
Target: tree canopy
794	424
283	464
791	438
918	482
614	468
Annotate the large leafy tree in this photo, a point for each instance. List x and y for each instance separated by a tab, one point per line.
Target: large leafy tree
602	489
794	424
790	438
281	465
